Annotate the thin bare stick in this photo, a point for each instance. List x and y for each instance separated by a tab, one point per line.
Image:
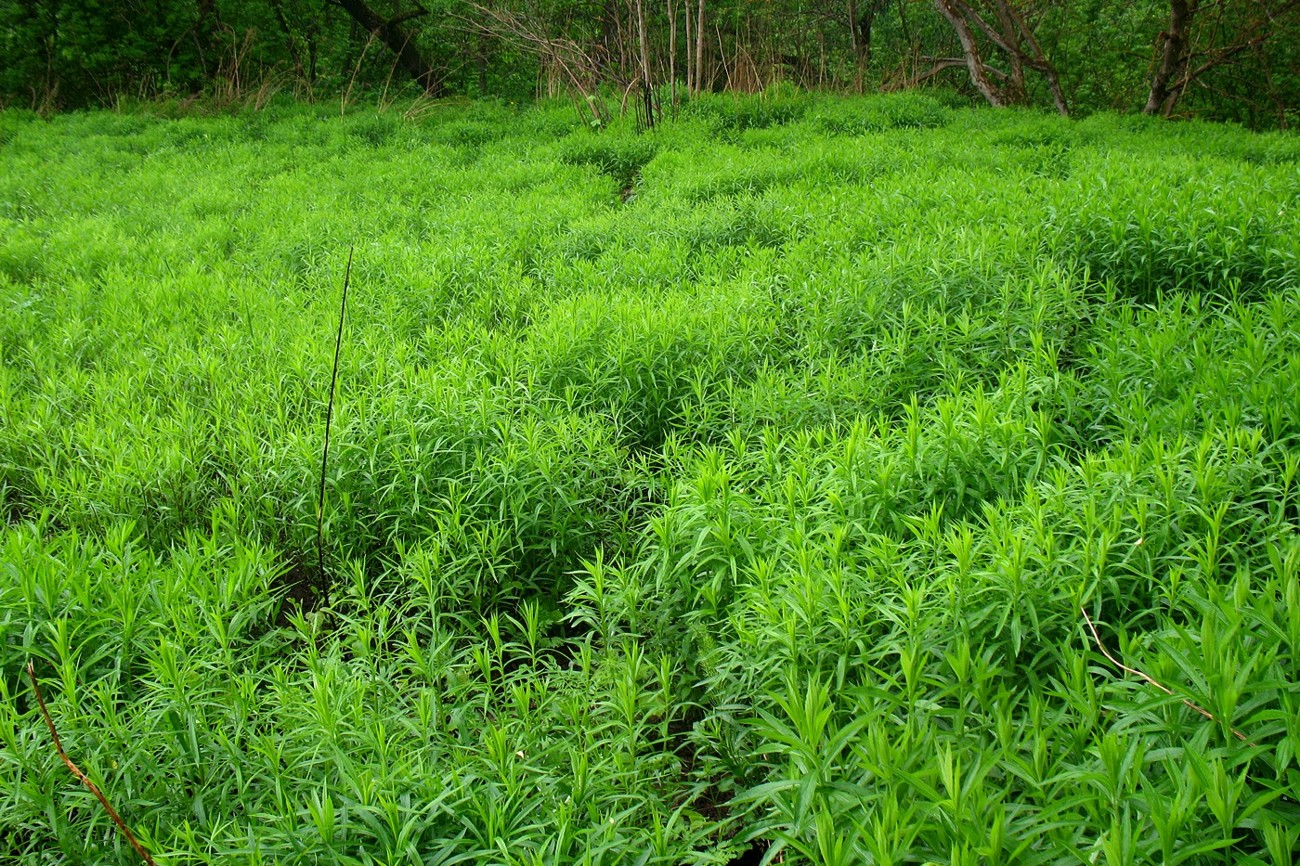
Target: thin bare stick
1152	681
347	92
76	771
329	416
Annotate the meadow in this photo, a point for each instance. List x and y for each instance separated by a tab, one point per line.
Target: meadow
752	484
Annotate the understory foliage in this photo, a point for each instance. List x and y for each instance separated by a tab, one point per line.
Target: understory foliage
751	481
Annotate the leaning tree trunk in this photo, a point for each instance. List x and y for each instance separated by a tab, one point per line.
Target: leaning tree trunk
1012	39
1024	51
1039	61
975	65
391	32
1175	52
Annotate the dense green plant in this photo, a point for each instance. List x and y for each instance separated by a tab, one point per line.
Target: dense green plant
752	479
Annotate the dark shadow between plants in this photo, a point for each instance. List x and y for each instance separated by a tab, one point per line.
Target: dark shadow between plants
298	588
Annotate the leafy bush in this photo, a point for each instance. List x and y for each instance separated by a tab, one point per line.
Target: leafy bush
909	110
737	112
1208	239
620	156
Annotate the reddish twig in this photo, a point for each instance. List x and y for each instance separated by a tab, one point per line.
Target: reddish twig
1153	681
76	771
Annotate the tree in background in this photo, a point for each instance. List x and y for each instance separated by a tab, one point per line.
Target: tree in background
999	27
861	19
1214	37
1227	59
78	52
392	31
568	54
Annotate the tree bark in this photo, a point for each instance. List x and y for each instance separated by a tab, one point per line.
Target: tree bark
647	85
970	49
862	20
1039	62
672	53
290	42
1175	52
1180	62
1013	38
1015	86
481	62
690	66
581	66
608	53
859	50
391	32
699	46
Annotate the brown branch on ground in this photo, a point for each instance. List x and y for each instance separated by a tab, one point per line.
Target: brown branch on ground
76	771
1153	681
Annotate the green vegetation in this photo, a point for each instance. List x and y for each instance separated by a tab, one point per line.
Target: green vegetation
1228	60
749	479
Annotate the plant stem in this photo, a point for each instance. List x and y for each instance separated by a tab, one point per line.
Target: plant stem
76	771
325	452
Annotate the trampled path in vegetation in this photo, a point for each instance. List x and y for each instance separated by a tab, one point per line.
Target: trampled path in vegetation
743	485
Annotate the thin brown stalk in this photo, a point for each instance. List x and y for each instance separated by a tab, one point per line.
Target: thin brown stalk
1153	681
76	771
347	92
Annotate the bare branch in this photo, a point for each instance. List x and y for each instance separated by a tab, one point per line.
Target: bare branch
76	771
1152	681
971	15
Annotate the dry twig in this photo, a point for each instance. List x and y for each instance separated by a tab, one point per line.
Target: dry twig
76	771
1153	681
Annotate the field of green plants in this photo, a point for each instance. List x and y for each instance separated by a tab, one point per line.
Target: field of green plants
753	484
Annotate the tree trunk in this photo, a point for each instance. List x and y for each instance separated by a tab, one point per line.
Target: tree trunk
391	32
290	40
690	66
859	51
1175	52
699	46
1039	61
902	22
647	85
862	20
481	62
1013	39
1015	86
672	53
608	45
971	50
